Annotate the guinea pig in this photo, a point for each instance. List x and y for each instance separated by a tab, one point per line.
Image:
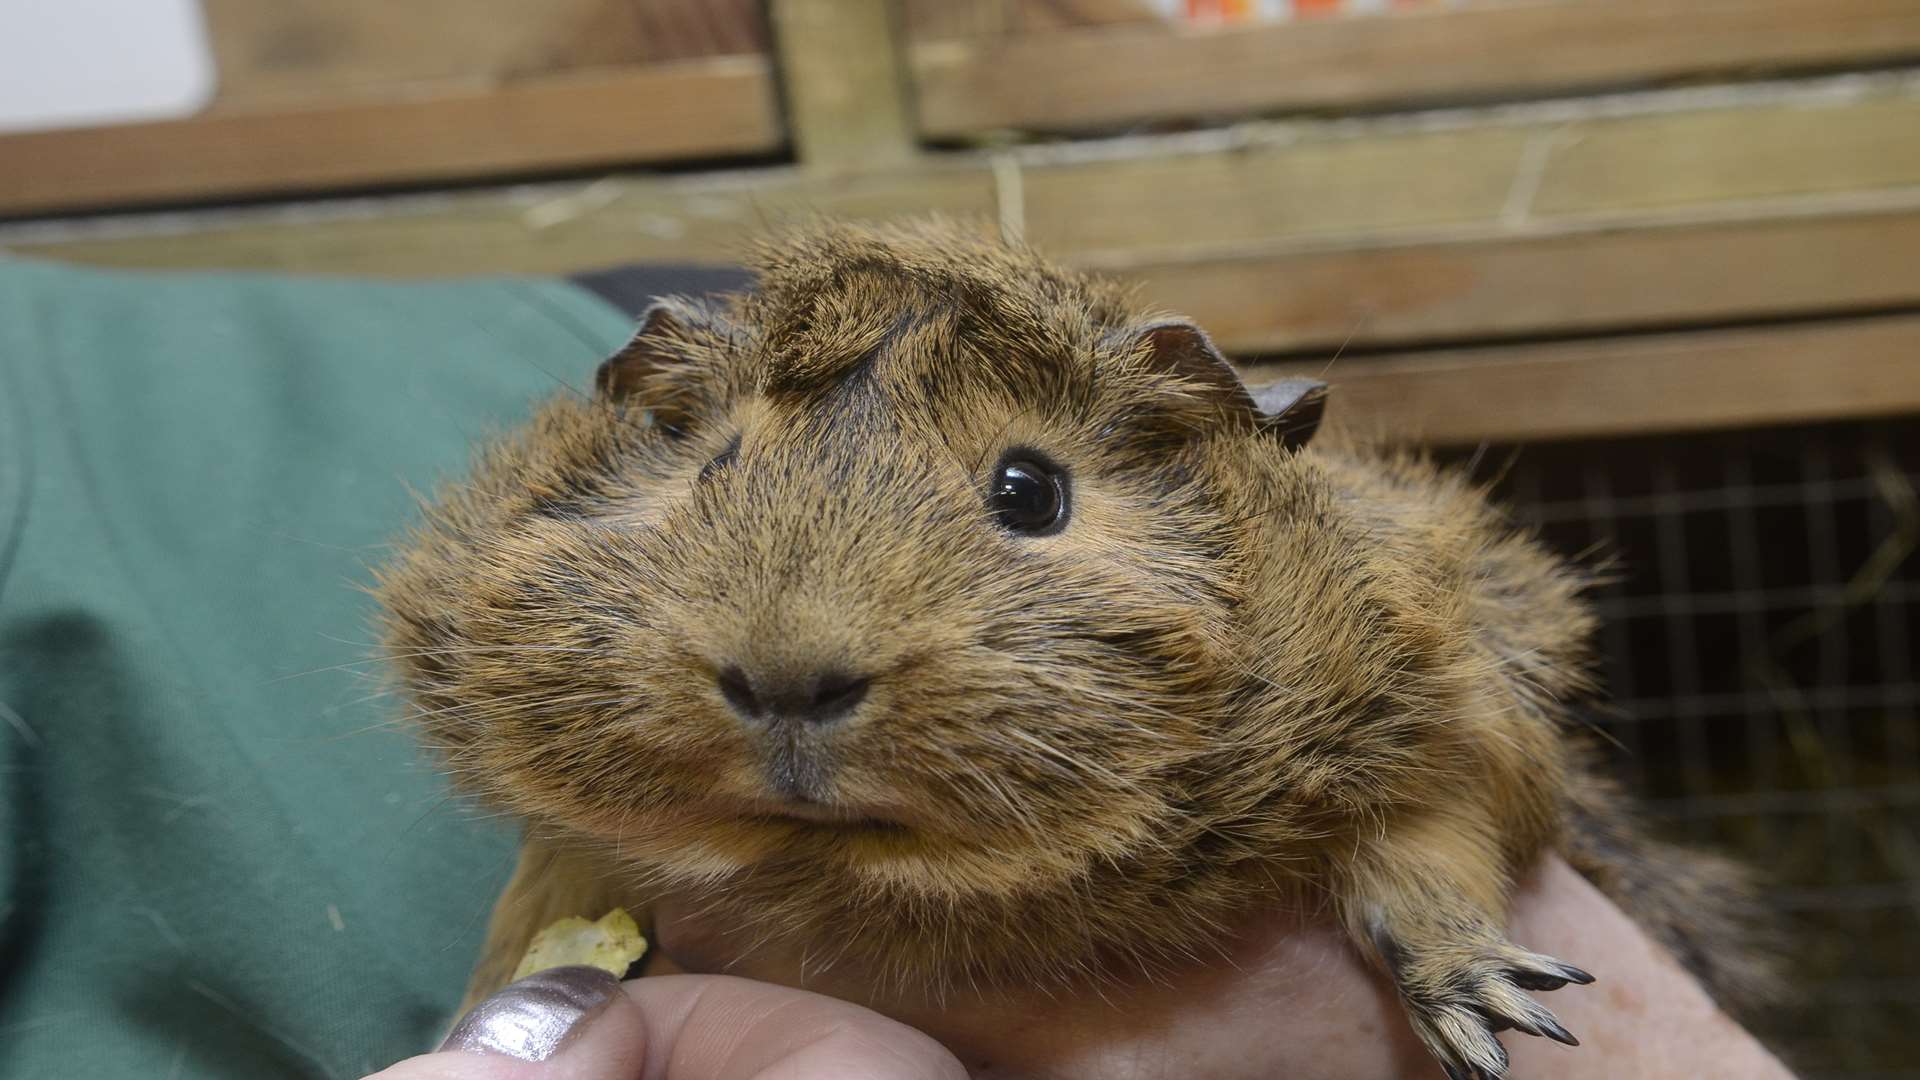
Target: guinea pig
932	603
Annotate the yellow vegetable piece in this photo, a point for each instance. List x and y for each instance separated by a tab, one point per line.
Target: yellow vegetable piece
611	944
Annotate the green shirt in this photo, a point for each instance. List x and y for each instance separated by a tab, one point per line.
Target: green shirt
219	854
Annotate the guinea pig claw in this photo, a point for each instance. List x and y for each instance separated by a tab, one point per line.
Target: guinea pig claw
1460	994
1528	980
1550	1028
1575	975
1532	1020
1544	973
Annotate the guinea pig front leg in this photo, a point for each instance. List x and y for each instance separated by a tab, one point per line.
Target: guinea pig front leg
1427	904
550	883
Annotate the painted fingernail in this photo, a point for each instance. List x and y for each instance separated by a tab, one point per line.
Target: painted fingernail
533	1018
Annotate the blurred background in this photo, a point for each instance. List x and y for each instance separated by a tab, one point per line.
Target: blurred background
1651	265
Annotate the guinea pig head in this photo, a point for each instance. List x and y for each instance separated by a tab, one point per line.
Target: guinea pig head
905	572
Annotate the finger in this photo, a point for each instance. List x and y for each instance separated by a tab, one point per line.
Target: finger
704	1027
580	1024
570	1023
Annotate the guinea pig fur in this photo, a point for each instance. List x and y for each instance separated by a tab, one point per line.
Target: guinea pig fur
936	605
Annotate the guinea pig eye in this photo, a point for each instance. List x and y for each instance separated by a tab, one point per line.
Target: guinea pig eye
721	460
1028	494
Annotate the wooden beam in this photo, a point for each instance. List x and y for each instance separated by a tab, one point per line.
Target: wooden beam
1628	275
611	117
1843	369
1625	164
845	83
1080	79
281	52
1314	185
554	229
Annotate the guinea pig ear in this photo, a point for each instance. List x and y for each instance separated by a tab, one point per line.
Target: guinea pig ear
651	348
1290	409
1184	349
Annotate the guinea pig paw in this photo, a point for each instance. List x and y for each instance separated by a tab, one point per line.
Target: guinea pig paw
1461	1040
1459	998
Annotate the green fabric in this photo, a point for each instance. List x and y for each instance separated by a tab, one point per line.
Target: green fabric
218	856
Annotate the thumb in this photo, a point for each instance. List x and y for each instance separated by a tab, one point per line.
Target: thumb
581	1024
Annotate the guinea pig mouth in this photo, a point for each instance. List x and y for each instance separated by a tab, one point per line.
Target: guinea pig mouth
846	825
819	815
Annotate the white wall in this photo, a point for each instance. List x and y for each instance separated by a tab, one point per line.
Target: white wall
70	63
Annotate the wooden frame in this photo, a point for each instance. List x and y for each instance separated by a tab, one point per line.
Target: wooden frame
723	107
1652	273
844	81
1108	76
1635	385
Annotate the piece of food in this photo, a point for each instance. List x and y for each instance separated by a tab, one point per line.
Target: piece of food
611	944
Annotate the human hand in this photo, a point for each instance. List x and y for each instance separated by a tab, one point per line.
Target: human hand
582	1024
1290	998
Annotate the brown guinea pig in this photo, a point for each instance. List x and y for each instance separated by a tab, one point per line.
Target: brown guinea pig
933	604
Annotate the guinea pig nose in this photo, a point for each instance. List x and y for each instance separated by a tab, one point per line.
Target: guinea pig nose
819	697
835	694
738	691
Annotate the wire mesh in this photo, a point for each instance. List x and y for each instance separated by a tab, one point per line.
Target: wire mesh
1758	644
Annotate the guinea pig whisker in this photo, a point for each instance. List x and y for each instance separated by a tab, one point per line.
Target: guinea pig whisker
392	723
457	650
470	707
417	653
348	665
1071	763
513	704
981	780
